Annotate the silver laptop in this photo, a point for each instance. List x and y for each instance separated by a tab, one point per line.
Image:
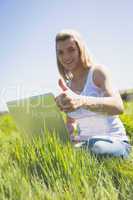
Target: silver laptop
38	115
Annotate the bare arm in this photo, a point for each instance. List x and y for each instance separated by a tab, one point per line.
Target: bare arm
111	103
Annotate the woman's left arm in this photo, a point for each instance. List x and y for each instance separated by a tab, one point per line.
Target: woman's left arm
111	102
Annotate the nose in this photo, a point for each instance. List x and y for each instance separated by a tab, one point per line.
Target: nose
67	57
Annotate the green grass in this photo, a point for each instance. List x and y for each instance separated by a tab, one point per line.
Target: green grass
47	169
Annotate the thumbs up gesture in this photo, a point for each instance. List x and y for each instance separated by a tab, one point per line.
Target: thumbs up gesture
67	101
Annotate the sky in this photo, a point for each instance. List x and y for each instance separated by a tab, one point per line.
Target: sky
27	42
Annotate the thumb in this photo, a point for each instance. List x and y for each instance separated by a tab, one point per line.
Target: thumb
63	85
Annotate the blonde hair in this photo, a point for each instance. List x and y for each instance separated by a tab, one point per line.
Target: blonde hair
83	51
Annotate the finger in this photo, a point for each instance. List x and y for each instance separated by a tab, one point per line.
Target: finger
66	101
58	102
67	107
58	98
60	107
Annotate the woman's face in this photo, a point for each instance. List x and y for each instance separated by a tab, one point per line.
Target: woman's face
68	54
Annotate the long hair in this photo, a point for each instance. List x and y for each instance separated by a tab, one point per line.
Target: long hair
83	51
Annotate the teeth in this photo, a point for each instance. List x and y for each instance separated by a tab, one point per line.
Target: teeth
68	62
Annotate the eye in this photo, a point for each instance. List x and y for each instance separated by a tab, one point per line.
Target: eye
71	49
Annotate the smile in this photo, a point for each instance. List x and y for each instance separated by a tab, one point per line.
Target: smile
68	63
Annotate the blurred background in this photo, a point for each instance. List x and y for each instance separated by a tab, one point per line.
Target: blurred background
27	42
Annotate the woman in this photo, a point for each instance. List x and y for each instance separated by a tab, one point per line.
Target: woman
88	98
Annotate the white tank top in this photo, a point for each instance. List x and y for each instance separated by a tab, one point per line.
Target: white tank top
94	124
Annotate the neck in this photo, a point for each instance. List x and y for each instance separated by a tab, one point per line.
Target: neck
79	72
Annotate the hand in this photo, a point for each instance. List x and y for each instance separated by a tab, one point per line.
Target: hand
67	101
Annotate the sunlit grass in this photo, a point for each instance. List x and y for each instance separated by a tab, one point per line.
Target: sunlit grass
47	169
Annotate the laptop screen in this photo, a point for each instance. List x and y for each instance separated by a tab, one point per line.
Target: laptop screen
38	115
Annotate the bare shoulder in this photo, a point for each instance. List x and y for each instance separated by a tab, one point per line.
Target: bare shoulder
101	74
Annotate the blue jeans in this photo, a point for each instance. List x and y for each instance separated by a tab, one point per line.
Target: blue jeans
102	146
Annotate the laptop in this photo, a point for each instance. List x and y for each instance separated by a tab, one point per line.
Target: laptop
38	115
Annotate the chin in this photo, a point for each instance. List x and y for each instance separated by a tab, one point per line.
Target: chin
72	67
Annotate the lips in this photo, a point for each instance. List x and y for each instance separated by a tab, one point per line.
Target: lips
68	63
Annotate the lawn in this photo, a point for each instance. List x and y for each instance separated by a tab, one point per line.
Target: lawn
46	169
